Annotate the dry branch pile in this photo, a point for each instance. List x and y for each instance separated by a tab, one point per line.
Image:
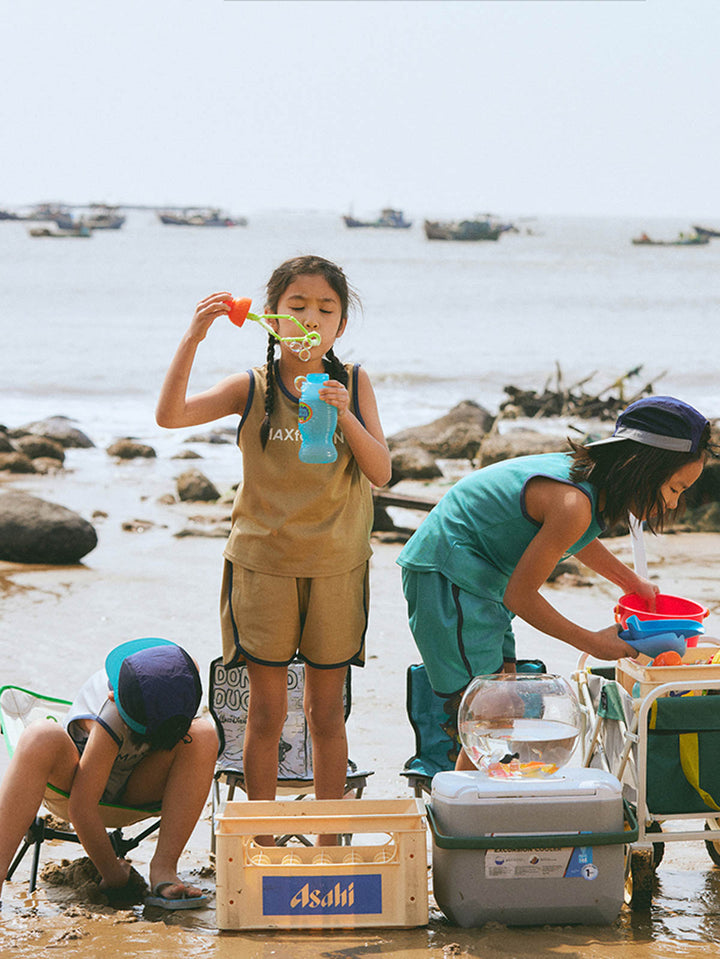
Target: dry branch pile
557	400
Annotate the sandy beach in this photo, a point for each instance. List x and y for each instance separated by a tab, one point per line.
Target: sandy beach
58	624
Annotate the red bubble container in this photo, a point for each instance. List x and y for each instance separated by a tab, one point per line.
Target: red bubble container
666	607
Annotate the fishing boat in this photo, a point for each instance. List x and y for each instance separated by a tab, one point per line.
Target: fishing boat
692	239
199	216
52	213
480	228
56	232
389	219
706	231
102	217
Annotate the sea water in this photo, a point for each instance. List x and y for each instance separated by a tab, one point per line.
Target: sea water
89	328
529	740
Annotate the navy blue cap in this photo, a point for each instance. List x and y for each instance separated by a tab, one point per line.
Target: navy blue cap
661	421
153	680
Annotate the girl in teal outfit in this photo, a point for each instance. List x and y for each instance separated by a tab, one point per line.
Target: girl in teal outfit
483	553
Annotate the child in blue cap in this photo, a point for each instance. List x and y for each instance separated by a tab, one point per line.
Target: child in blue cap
130	737
482	554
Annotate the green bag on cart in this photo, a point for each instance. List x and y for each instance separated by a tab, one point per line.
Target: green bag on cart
683	761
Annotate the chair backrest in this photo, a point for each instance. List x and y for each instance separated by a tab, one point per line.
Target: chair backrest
229	694
20	707
435	750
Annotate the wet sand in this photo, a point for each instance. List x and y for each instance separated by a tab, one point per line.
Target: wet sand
58	624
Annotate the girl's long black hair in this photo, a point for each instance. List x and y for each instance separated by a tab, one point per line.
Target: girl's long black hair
631	476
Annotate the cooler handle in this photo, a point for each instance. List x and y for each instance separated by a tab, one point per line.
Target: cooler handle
544	841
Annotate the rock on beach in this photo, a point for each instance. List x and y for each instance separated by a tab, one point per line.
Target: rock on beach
35	531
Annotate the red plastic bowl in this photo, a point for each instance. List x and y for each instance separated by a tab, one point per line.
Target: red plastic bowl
666	607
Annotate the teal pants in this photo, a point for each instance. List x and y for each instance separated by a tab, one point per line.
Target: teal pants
459	635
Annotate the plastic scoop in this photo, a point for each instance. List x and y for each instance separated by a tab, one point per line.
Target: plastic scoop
652	637
239	311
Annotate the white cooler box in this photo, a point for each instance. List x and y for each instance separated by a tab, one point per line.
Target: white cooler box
528	851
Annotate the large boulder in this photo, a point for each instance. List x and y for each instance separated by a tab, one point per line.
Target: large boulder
35	531
58	428
456	435
520	442
449	436
413	463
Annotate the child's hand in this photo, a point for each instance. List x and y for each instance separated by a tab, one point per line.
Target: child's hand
334	393
207	311
118	876
647	591
606	644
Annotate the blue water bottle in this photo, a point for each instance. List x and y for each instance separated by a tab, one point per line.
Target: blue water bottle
317	421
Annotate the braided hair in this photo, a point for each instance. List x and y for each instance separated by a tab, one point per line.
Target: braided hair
281	278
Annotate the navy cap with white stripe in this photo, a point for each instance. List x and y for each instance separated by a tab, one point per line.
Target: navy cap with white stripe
660	421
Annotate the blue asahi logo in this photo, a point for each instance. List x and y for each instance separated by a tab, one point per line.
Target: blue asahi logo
326	895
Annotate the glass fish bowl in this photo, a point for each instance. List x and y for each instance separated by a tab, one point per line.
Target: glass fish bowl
513	725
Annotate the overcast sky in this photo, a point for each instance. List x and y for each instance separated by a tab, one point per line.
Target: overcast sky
514	106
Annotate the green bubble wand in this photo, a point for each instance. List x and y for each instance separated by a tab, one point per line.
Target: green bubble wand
239	311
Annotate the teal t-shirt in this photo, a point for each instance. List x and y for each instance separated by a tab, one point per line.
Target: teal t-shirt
478	531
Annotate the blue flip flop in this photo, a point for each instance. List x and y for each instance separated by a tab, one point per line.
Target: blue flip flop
182	902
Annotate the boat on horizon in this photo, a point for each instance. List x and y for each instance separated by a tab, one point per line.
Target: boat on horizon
97	216
199	216
103	217
485	227
79	230
706	231
389	219
692	239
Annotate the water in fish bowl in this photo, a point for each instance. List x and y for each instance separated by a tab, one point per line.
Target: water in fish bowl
519	725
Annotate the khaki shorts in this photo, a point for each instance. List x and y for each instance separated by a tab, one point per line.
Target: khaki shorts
271	619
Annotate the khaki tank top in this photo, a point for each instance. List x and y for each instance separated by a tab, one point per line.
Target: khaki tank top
292	518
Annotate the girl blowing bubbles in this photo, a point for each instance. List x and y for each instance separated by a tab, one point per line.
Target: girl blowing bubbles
296	561
483	553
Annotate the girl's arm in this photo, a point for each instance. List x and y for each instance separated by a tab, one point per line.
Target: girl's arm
88	786
368	443
602	561
564	513
174	407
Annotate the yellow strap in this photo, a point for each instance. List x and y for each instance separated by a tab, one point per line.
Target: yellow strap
690	762
653	715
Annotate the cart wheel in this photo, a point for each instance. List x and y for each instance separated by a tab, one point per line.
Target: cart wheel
713	848
658	847
639	879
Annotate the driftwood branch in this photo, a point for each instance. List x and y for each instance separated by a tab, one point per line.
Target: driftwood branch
574	400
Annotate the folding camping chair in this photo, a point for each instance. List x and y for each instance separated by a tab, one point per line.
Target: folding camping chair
435	749
229	692
20	707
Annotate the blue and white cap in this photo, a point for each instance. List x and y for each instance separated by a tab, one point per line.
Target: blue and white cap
154	681
661	421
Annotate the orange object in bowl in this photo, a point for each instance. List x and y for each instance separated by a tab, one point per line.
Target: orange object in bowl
668	658
666	607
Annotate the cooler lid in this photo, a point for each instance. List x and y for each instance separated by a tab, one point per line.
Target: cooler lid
466	787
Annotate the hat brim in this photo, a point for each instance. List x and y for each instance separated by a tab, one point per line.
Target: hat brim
675	444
